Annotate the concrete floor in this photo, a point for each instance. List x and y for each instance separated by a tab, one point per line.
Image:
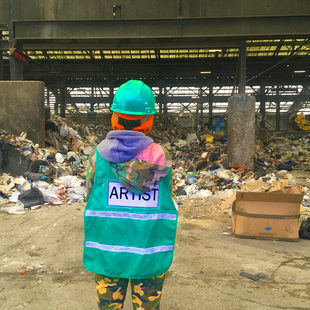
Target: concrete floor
204	274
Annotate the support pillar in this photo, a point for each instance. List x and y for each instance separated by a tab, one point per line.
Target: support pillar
111	94
165	101
57	102
241	130
210	107
262	106
47	96
16	69
16	66
1	61
160	100
200	106
277	111
62	101
242	67
92	104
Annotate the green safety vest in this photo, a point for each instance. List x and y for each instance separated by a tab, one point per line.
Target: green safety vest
128	235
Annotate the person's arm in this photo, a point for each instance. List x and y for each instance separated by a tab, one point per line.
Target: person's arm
90	173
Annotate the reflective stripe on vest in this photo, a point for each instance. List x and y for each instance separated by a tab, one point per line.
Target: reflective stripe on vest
127	249
158	216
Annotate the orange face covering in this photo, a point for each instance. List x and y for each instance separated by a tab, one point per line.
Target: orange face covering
142	123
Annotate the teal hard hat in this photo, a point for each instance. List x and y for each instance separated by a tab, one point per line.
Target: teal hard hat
134	97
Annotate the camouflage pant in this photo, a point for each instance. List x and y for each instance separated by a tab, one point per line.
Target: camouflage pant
146	293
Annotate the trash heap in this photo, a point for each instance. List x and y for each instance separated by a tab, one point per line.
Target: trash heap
285	153
201	168
56	174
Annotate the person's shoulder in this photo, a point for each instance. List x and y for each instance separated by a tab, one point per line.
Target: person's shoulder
164	150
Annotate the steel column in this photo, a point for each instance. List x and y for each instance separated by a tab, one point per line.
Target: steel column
201	106
242	67
57	101
56	106
278	111
160	100
262	106
1	60
16	68
111	94
62	101
165	101
210	107
92	96
47	96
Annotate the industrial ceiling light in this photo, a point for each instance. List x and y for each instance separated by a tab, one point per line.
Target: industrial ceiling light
299	71
205	72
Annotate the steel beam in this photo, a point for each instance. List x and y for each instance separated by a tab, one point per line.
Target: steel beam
97	44
151	9
179	99
211	98
223	69
247	27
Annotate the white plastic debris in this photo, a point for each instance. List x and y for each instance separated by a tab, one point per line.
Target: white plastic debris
74	155
18	208
60	158
224	194
64	130
68	181
204	193
14	196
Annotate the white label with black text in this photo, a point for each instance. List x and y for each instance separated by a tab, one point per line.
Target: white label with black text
118	195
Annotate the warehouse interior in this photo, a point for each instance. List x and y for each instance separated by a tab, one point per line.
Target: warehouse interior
194	57
231	81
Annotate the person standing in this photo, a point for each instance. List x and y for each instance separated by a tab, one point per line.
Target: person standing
130	219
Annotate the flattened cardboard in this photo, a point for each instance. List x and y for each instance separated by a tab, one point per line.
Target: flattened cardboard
266	215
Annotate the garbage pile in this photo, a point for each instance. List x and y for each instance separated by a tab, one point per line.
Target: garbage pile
53	175
201	167
65	135
285	153
56	174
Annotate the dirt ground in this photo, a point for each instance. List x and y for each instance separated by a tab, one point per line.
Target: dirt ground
205	273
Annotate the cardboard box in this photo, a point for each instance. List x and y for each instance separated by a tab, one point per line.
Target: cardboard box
266	215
